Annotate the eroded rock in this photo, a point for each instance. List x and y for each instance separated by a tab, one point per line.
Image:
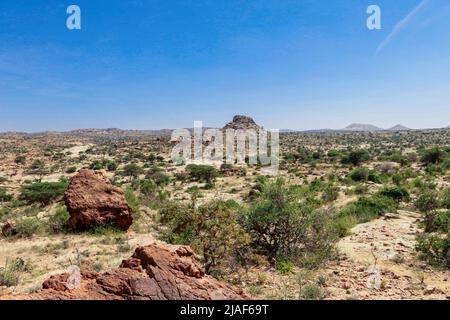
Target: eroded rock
92	200
154	272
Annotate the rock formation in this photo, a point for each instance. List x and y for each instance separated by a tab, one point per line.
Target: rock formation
154	272
93	200
9	229
242	122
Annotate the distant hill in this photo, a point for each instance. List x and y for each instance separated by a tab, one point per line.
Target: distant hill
320	130
242	122
114	132
361	127
399	127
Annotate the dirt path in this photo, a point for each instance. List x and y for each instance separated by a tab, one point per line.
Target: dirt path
379	262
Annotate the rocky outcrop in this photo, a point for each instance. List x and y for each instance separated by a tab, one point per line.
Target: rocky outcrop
242	122
9	229
92	200
154	272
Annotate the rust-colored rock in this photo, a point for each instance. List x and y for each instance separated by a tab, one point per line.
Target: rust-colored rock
93	200
154	272
9	229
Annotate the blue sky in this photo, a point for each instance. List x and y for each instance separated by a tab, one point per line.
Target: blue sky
299	64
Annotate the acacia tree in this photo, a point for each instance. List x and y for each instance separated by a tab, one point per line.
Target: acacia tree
132	170
282	223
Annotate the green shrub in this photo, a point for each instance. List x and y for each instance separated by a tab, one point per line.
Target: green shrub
433	156
37	164
344	224
5	196
20	159
446	198
312	292
4	212
282	225
212	229
361	189
396	193
359	174
97	165
375	177
27	227
72	169
441	222
159	178
434	249
356	157
285	266
111	166
369	208
57	222
10	273
132	170
43	192
132	200
202	172
330	193
105	230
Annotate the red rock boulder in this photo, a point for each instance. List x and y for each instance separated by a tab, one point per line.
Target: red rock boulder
92	200
154	272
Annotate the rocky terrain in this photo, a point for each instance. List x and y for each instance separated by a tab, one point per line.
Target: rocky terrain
370	210
242	122
93	200
154	272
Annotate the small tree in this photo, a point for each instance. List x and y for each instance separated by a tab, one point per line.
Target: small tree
37	164
132	170
212	229
433	156
281	224
20	159
202	173
43	192
356	157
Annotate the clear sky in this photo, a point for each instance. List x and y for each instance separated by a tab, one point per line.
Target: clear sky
299	64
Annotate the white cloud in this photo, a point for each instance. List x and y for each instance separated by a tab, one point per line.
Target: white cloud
401	25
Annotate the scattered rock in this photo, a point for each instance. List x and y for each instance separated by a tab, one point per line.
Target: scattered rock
432	290
92	200
154	272
9	229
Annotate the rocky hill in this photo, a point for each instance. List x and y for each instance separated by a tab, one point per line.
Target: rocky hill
399	127
242	122
361	127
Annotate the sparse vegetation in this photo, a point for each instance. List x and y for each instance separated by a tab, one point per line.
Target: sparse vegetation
43	192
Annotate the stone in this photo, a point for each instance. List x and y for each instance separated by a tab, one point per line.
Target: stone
242	123
154	272
92	200
9	229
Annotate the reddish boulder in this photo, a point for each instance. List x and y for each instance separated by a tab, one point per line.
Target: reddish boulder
93	200
154	272
9	229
